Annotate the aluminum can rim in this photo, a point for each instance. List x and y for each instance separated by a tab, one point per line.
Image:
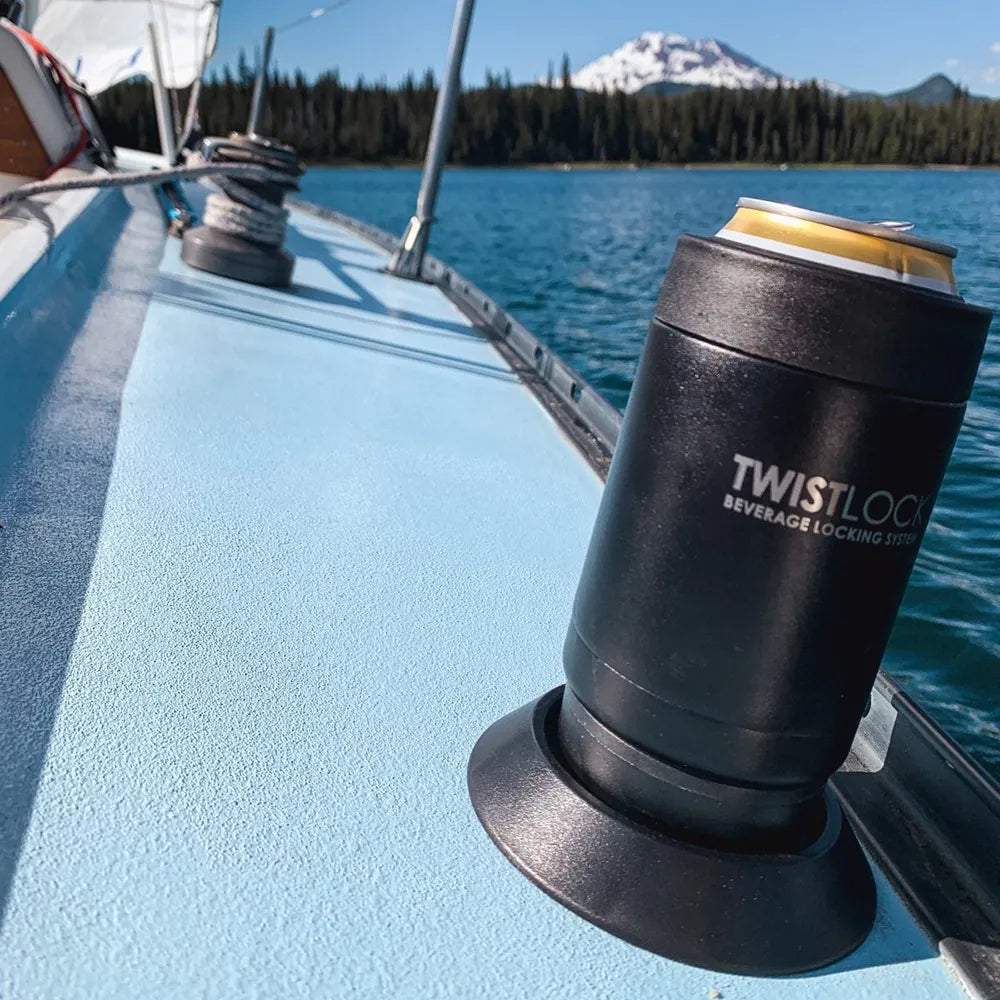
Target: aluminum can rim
884	232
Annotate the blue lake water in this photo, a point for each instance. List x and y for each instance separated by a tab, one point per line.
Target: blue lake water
579	256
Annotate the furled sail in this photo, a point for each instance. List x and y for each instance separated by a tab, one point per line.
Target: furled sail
105	41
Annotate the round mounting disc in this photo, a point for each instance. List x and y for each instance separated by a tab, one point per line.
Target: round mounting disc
231	257
753	914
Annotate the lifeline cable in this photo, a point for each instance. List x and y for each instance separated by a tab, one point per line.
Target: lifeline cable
251	171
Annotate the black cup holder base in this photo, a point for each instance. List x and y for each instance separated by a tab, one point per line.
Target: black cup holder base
753	914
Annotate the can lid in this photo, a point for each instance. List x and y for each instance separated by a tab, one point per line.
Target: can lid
882	249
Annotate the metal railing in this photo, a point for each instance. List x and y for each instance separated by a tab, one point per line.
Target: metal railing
408	260
588	418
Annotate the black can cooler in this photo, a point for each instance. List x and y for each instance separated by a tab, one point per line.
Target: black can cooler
787	434
799	394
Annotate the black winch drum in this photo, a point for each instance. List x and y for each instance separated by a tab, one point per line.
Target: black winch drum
235	253
799	395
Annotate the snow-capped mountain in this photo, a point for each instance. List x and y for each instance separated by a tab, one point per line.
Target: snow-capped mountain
656	60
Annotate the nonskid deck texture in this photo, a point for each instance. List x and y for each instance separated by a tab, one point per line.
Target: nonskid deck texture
339	539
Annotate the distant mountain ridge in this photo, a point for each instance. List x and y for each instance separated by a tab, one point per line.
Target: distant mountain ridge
661	63
936	89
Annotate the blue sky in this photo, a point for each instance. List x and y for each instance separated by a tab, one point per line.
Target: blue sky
878	45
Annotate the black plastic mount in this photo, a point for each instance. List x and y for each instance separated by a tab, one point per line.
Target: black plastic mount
753	914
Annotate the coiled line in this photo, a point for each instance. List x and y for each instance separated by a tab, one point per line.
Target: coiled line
249	208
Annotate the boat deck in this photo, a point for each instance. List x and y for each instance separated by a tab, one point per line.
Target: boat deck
271	562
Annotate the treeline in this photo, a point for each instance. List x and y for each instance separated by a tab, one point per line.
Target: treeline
503	124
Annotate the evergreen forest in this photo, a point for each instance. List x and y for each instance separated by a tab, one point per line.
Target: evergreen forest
500	123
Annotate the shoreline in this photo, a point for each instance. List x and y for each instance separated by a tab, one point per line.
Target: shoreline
595	166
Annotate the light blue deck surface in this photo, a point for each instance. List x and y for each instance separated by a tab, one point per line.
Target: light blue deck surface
339	540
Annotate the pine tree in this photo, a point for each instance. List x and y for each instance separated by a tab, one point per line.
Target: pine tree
500	123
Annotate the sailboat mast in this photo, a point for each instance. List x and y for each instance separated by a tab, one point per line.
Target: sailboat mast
164	119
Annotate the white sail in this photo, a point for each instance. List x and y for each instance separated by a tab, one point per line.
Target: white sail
105	41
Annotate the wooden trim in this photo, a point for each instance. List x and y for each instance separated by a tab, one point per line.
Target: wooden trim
21	151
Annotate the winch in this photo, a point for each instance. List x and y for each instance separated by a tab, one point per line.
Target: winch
244	226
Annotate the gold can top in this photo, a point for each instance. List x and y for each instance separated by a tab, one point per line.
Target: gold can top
881	249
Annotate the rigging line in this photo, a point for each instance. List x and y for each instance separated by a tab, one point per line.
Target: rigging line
251	171
312	15
211	37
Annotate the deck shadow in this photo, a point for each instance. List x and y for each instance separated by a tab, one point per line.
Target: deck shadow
362	249
303	298
306	246
189	296
65	350
895	939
